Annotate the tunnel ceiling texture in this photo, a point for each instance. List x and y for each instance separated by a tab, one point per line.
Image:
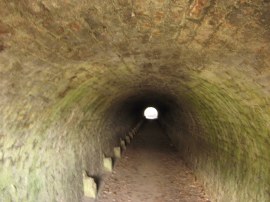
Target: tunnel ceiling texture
75	76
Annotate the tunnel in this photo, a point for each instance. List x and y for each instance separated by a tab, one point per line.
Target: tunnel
76	77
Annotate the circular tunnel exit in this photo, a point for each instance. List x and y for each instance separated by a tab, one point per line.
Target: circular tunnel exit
151	113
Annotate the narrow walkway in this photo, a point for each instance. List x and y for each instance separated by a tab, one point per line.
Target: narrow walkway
151	171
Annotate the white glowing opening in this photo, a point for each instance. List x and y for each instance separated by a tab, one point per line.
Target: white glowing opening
151	113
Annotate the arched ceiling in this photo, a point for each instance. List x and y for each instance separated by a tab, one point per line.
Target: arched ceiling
71	60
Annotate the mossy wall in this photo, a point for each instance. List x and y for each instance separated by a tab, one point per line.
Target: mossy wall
67	69
224	137
45	152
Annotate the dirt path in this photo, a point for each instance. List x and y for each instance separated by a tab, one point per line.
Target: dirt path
151	171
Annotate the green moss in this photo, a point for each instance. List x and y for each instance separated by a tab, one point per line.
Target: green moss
232	149
6	178
34	186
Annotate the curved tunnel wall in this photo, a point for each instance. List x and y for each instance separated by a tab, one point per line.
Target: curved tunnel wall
74	77
225	141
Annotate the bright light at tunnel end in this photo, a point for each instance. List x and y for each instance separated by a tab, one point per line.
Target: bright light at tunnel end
151	113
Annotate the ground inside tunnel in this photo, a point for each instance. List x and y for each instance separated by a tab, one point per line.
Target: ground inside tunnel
151	171
75	77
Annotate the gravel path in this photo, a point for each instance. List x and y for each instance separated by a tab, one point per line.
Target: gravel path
151	171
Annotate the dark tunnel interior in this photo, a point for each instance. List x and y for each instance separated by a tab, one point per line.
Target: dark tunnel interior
76	77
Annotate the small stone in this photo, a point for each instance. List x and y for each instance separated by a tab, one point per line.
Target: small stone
128	139
90	187
108	164
123	144
117	152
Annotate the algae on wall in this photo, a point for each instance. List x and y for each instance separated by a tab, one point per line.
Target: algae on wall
225	139
45	162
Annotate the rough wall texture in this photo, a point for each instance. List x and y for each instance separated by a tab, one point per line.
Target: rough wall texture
43	155
66	67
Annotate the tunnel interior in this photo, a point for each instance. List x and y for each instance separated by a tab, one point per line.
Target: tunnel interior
136	103
76	77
